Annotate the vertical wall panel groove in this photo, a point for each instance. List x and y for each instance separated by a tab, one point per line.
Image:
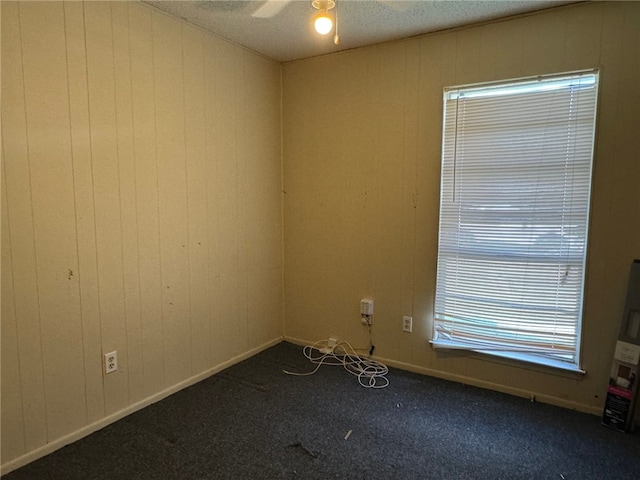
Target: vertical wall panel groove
127	183
212	65
85	208
12	434
193	52
104	144
75	218
18	191
144	139
47	114
168	91
186	186
223	139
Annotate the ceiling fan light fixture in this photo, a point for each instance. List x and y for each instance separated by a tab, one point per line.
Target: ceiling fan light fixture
323	23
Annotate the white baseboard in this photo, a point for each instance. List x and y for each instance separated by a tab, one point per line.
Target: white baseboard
539	397
95	426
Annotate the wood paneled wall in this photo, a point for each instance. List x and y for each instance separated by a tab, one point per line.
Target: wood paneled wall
142	201
362	181
141	211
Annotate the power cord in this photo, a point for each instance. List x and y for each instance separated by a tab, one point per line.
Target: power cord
370	373
371	345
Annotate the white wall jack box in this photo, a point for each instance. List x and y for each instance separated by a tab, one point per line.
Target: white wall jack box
407	324
110	362
366	311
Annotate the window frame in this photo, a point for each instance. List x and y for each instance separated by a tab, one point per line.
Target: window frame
520	84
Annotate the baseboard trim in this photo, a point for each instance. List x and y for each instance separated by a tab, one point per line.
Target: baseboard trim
95	426
532	395
537	396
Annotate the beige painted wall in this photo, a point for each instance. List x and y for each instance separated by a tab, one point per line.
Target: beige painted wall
141	212
362	140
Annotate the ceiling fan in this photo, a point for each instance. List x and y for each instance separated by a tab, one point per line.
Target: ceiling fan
323	22
270	8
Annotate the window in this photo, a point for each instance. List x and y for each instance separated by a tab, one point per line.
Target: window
514	209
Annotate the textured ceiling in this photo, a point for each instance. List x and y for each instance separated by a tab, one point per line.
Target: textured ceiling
289	35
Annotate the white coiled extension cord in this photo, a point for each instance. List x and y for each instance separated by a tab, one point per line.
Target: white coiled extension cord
370	373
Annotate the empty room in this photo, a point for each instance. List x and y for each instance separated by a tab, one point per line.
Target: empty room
320	239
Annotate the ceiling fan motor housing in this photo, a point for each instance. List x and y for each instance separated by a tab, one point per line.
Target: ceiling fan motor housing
323	4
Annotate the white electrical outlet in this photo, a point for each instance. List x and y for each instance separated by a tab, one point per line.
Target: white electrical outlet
110	362
407	324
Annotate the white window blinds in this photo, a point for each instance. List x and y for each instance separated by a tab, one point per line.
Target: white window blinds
514	207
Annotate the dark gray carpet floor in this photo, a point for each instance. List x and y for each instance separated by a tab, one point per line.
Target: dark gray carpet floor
252	421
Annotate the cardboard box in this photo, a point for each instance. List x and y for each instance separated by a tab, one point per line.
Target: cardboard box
622	391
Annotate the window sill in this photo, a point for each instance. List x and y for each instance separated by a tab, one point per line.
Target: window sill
514	359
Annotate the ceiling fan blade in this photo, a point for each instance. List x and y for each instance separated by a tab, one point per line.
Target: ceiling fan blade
270	8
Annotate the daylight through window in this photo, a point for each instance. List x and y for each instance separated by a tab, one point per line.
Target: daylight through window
514	209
